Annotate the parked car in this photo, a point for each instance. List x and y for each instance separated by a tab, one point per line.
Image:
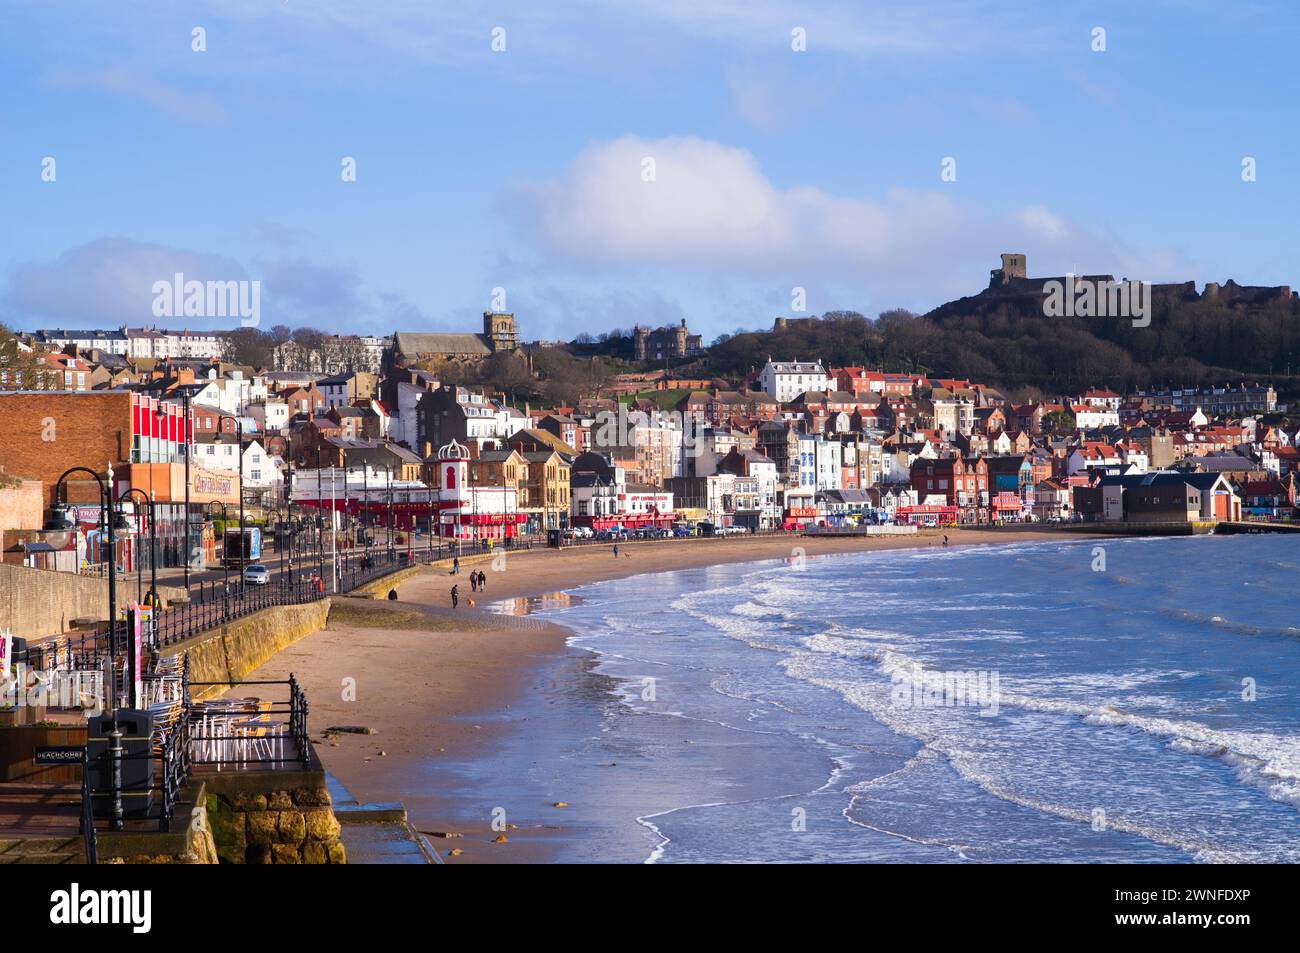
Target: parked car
257	575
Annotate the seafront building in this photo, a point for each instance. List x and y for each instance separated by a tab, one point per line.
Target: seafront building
781	449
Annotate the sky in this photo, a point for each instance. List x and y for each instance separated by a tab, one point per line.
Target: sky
591	166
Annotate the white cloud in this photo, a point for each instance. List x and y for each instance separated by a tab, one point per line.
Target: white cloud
106	282
711	205
712	210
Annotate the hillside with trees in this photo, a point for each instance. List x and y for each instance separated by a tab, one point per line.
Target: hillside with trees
1012	345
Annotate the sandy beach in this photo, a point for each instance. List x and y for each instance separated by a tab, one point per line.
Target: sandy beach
436	685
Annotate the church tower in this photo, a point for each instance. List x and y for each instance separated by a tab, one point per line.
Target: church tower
499	329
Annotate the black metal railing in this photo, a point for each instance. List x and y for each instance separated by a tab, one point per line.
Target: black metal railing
88	813
257	723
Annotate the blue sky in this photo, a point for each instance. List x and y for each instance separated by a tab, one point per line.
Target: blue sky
522	169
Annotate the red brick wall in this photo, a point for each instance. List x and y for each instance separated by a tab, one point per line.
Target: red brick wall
90	429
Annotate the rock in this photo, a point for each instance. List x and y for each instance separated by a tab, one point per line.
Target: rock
338	854
286	854
383	754
249	803
260	828
501	839
292	827
560	804
322	825
280	801
312	797
313	853
441	834
349	730
455	852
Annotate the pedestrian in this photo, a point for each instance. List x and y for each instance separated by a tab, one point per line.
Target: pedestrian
455	565
482	581
945	539
455	596
473	582
616	550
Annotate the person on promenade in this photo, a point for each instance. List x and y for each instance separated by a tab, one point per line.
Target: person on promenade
455	596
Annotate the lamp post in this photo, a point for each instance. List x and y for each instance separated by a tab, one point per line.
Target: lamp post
288	502
225	563
388	472
239	468
153	539
187	437
57	529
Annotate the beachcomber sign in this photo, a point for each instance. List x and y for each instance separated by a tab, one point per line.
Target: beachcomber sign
76	906
61	754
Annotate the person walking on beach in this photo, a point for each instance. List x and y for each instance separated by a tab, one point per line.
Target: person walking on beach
473	581
455	565
945	539
482	581
616	550
455	596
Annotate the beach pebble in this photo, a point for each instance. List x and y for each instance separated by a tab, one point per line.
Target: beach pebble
560	804
501	839
383	754
454	852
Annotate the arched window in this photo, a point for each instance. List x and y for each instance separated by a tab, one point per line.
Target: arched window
450	482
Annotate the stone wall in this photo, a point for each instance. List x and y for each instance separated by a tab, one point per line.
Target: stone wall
36	603
274	818
229	653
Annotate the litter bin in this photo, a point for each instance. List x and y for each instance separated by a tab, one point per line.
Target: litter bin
553	539
137	767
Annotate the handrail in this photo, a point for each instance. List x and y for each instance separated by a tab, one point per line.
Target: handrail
88	812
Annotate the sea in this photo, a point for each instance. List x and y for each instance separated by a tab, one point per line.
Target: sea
1089	701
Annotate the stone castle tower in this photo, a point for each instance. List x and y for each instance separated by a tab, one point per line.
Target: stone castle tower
1013	266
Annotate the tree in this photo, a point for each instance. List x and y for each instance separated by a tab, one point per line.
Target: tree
1059	421
20	369
507	372
250	346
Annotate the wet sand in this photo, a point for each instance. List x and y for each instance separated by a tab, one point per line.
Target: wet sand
437	685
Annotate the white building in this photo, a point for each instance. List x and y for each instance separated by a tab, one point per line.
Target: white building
820	463
786	380
468	511
271	414
1090	417
139	342
260	470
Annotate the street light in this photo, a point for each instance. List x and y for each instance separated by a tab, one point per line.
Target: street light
57	531
153	541
189	450
225	564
